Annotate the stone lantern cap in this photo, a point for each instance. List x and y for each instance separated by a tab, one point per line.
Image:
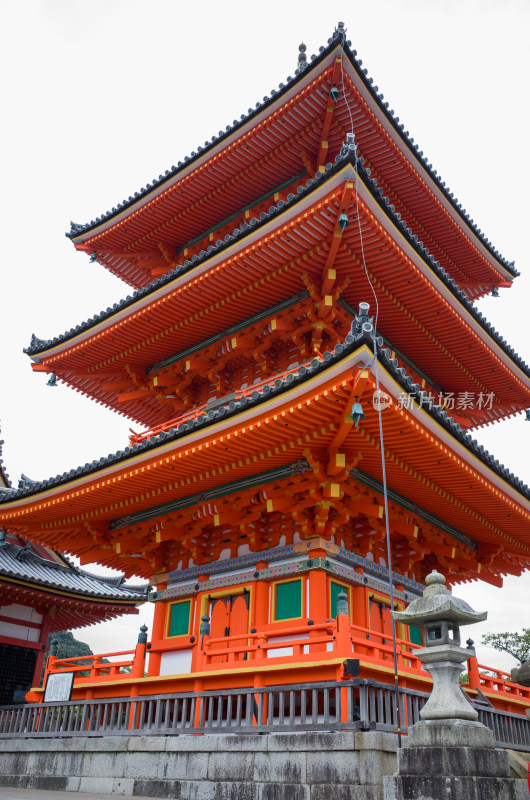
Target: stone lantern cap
439	604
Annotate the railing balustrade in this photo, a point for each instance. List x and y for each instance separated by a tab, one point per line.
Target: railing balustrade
358	704
96	666
304	639
494	682
195	413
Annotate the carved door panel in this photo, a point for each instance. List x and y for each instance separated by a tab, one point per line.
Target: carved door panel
219	625
229	617
239	621
381	622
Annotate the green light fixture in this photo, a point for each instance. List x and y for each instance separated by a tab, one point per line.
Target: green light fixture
528	414
334	94
494	292
357	412
93	257
343	221
52	380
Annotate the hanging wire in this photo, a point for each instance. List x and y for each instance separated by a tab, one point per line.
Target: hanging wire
374	361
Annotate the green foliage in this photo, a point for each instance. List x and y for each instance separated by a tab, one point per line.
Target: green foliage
67	646
463	678
515	644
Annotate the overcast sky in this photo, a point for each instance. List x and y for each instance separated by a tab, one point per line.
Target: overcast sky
101	96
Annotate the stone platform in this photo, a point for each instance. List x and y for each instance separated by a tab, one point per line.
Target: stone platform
453	760
308	766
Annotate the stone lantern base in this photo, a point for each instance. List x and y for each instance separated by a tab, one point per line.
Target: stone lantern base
450	760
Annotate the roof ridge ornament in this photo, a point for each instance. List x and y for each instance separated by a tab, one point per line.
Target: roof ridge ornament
23	552
3	474
340	31
302	58
25	482
34	344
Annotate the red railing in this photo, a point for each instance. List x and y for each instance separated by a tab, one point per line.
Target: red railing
258	646
96	666
99	669
304	640
336	639
495	681
205	407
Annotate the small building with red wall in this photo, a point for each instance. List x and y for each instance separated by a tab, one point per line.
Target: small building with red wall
41	591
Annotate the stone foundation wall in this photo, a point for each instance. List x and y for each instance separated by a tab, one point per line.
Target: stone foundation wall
309	766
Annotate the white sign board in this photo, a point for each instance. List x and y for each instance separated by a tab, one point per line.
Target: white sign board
59	687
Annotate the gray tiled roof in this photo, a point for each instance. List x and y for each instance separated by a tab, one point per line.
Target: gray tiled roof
360	334
346	156
362	72
23	563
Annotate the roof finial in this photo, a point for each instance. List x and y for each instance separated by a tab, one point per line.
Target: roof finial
302	58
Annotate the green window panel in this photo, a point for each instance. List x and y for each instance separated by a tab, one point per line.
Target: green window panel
179	619
415	634
289	600
335	590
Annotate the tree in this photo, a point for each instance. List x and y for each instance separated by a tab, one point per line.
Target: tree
515	644
67	646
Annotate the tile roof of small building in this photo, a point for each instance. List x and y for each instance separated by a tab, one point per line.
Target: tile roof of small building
337	36
347	156
360	334
24	563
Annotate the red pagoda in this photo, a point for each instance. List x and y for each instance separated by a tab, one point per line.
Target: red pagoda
305	257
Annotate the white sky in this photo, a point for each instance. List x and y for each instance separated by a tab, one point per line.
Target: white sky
101	96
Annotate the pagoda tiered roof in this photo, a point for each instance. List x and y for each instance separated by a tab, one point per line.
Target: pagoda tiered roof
298	128
429	458
423	312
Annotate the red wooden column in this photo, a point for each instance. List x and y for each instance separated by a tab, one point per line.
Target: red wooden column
343	648
157	634
318	598
41	654
260	611
359	612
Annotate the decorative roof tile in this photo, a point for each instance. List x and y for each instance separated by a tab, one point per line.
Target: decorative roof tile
4	477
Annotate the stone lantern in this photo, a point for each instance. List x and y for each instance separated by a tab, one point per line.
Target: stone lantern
449	754
441	615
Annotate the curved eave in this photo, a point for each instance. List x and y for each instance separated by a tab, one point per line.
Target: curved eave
496	510
210	268
126	605
390	124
